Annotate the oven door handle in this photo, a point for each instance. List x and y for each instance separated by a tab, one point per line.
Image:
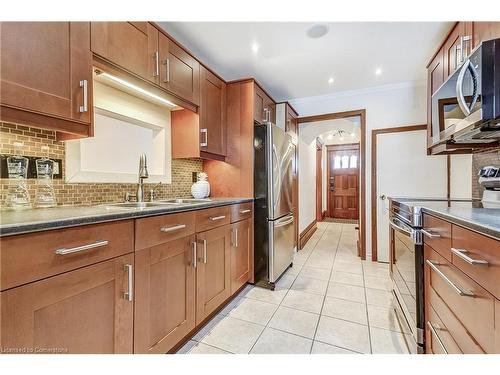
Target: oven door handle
398	228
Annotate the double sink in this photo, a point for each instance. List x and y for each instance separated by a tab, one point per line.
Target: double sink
156	204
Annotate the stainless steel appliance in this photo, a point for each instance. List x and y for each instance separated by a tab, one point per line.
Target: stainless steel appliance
407	253
466	108
274	229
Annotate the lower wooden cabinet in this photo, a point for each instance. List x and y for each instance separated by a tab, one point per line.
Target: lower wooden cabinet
213	270
241	243
165	295
83	311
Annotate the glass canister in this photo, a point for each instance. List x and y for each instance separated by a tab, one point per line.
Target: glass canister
17	165
44	190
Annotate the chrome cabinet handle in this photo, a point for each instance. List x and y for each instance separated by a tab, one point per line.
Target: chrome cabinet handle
204	132
156	56
64	251
245	211
235	244
205	255
215	218
173	228
266	114
434	333
85	85
195	254
463	39
129	294
457	289
167	70
462	254
429	234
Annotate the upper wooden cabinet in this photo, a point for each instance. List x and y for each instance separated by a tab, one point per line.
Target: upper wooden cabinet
435	78
83	311
130	45
212	113
264	109
457	47
46	75
482	31
179	71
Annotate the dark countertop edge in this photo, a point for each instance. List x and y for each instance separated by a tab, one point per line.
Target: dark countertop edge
476	227
16	229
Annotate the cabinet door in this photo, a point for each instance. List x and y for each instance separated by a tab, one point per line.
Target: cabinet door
130	45
435	78
213	270
165	295
241	247
212	114
460	38
179	71
42	65
271	108
259	104
82	311
482	31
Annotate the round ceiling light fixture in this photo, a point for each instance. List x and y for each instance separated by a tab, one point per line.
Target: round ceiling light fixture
317	31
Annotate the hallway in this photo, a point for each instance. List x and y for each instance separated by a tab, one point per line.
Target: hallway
330	302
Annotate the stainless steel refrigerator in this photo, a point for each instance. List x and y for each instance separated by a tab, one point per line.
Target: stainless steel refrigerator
273	226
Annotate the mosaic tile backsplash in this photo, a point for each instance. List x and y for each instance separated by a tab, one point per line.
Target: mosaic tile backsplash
87	194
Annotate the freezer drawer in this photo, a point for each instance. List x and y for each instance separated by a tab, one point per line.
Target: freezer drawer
281	243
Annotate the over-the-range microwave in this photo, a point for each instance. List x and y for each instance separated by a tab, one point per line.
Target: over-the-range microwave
466	108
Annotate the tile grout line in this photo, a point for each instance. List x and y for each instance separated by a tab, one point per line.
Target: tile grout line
366	307
327	286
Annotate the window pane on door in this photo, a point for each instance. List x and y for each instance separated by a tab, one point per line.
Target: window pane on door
336	162
354	161
345	161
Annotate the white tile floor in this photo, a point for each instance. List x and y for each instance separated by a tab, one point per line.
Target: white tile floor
330	302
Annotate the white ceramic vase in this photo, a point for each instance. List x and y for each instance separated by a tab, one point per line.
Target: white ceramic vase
201	188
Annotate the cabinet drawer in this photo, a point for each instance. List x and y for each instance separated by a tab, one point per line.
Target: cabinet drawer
477	256
473	306
453	326
30	257
241	211
156	230
438	235
438	338
212	218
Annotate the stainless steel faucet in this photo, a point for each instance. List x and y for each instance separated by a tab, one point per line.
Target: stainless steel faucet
143	173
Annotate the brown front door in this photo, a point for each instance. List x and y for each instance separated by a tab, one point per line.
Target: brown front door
319	182
343	181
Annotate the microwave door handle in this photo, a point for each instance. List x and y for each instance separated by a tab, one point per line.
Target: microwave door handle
460	90
475	78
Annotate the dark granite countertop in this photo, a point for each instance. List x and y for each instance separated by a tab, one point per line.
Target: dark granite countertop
35	220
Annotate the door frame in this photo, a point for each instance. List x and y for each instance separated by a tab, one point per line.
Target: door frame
362	163
340	147
319	180
374	195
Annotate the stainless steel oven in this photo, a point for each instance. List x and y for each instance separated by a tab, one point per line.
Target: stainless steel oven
407	269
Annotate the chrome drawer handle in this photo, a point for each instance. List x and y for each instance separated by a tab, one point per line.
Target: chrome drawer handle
129	294
457	289
172	228
245	211
215	218
429	234
64	251
434	333
462	254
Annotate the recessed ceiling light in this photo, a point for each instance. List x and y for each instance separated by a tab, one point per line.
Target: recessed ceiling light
378	71
330	80
353	135
317	31
341	138
330	136
255	47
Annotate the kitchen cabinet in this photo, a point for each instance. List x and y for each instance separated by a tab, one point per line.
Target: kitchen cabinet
165	280
241	244
130	45
457	47
46	75
213	270
461	289
179	71
435	78
264	107
482	31
212	114
88	310
292	128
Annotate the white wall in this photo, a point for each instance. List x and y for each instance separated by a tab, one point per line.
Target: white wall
307	182
461	176
386	106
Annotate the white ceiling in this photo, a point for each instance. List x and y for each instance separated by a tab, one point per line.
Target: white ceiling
289	64
309	131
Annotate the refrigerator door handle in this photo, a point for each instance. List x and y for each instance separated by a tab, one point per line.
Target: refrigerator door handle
277	179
